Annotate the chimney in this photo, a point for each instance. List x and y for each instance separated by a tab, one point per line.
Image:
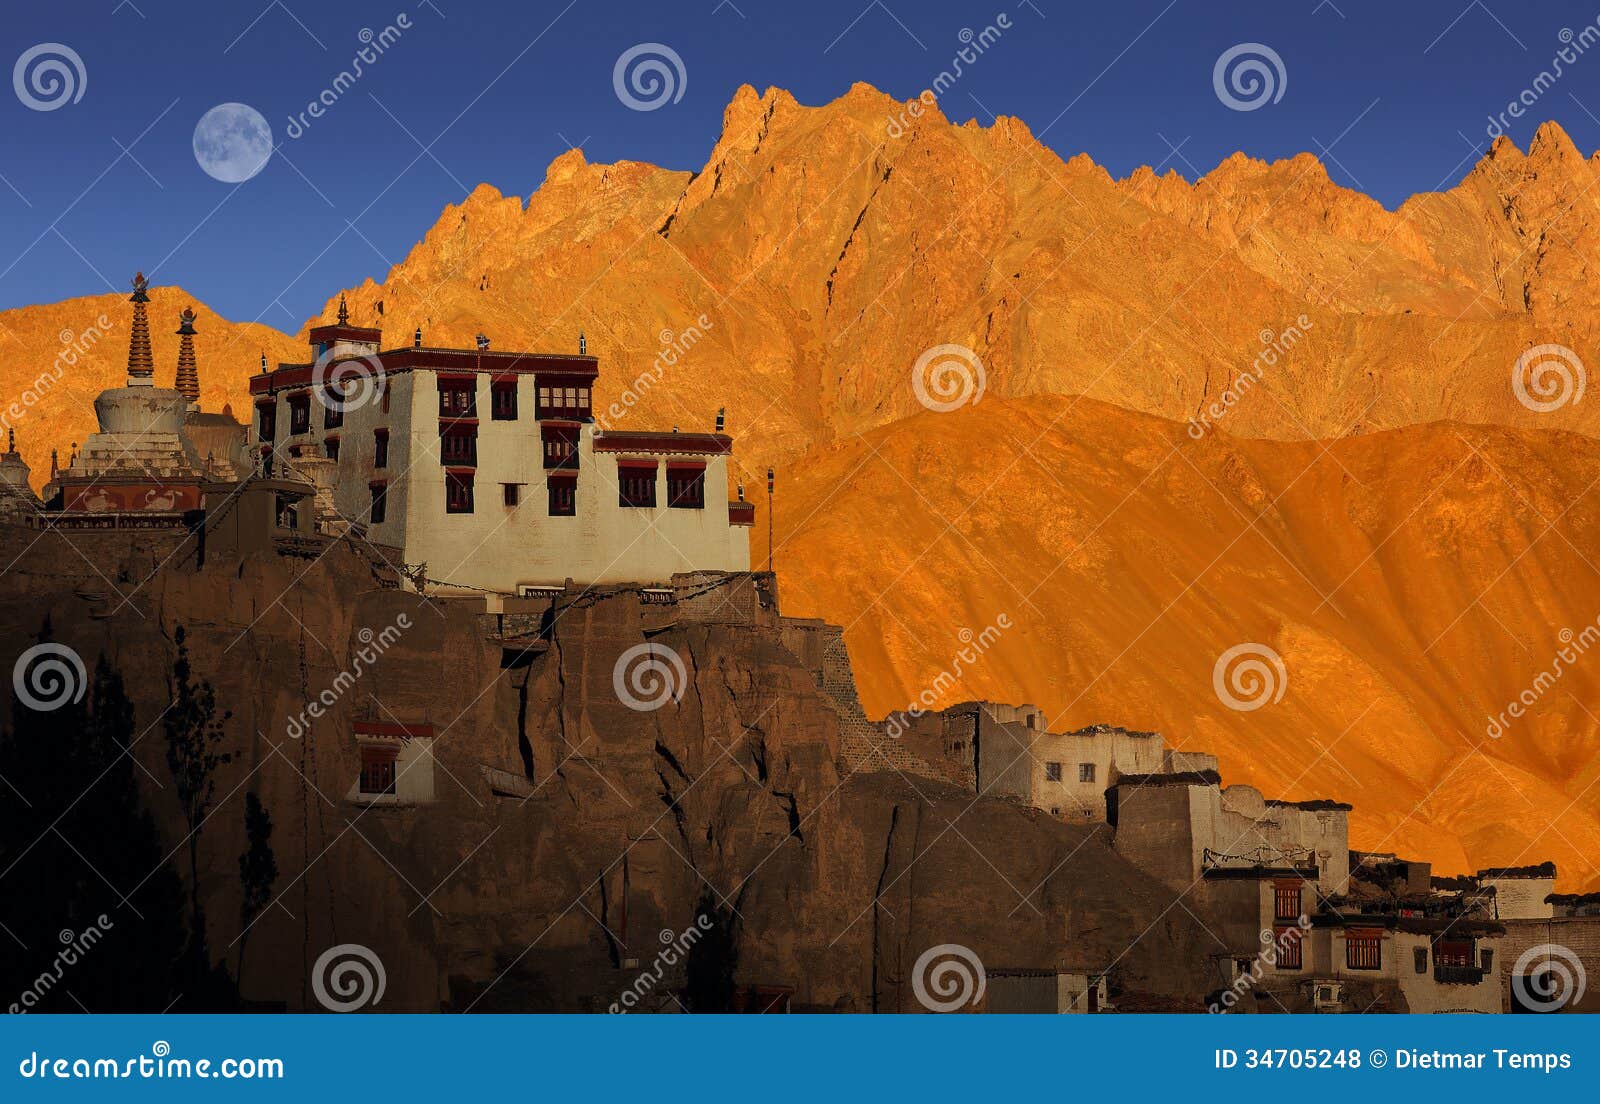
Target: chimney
141	367
483	344
583	344
722	418
741	492
188	378
416	339
263	360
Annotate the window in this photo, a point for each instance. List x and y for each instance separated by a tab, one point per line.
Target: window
330	447
299	413
459	446
458	492
1290	952
686	487
563	497
333	409
1052	772
266	463
1286	900
458	399
1363	949
503	400
288	514
636	484
377	769
560	446
380	448
1085	772
1452	952
267	421
563	402
1419	957
512	493
380	501
383	390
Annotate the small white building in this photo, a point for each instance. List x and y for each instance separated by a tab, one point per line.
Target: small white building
487	470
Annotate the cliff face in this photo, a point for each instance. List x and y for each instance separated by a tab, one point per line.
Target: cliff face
570	830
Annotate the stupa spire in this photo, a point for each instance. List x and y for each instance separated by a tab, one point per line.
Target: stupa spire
188	381
141	366
344	311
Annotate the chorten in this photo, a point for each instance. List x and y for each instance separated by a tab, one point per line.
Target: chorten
16	496
141	458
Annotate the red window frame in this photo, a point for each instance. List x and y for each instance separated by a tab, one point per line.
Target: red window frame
267	420
1286	900
299	413
503	400
636	484
458	398
1290	945
458	445
378	768
563	497
458	496
560	446
1363	949
686	486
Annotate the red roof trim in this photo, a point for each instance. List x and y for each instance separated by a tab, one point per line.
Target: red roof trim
639	465
711	444
349	333
463	361
686	465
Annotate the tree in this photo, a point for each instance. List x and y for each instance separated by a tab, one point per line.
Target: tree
258	869
194	732
712	959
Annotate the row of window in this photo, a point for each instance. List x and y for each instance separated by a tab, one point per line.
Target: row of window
1362	950
1052	772
459	399
636	488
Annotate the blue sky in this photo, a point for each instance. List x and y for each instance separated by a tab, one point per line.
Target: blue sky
1398	94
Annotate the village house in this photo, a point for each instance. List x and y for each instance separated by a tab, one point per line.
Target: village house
486	469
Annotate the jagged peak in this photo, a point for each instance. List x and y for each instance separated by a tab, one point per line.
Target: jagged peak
568	165
1552	143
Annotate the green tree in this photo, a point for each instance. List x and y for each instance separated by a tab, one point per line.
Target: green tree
194	735
258	869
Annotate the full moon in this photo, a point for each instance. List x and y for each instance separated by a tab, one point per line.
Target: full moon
232	142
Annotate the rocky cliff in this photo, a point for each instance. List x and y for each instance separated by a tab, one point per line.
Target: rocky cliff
569	830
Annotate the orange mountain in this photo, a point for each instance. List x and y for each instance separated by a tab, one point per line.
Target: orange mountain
1414	531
